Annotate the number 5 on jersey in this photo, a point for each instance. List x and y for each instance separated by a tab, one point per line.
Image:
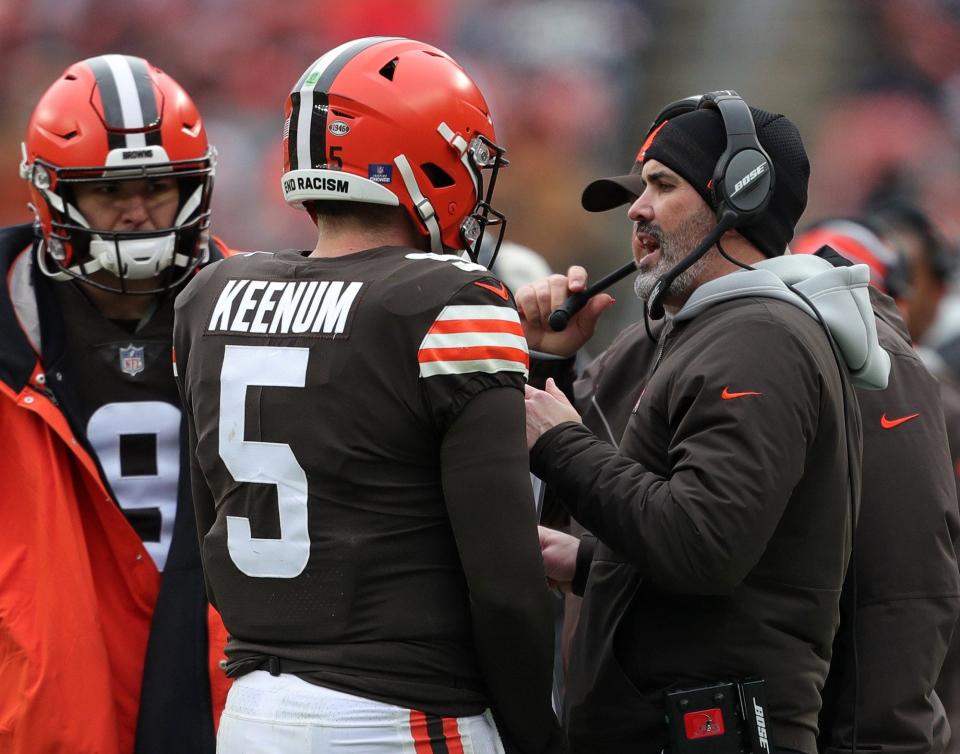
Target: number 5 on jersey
264	462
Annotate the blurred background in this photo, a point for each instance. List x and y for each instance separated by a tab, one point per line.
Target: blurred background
872	84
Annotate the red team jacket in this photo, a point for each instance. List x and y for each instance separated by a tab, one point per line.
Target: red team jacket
77	587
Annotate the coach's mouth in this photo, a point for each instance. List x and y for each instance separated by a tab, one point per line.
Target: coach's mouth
646	250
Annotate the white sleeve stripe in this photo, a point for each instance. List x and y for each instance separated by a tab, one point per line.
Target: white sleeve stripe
480	311
490	366
472	339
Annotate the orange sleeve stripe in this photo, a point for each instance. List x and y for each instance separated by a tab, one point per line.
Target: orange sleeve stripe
445	327
475	353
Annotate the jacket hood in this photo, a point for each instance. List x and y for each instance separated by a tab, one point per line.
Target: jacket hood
840	294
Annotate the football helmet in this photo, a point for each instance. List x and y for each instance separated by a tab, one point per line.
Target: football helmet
117	118
859	242
392	121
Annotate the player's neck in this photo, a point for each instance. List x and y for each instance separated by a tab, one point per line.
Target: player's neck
124	306
341	241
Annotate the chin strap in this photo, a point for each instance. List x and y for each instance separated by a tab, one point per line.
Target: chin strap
42	264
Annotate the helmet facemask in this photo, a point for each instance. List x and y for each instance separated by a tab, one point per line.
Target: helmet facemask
483	155
72	249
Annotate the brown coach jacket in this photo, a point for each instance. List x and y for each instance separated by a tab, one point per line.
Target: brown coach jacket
907	580
724	519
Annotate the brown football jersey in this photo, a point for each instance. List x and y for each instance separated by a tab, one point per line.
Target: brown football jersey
117	391
320	390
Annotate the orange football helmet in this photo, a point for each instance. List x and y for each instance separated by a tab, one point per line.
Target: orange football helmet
393	121
116	118
859	242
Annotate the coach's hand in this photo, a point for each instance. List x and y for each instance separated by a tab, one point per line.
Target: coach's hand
559	553
546	409
536	300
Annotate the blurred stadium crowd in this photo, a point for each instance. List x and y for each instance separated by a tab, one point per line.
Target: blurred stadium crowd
874	85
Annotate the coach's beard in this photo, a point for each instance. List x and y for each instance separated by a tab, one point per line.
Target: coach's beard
672	251
682	283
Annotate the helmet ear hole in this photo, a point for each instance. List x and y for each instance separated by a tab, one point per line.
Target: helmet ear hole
439	177
389	69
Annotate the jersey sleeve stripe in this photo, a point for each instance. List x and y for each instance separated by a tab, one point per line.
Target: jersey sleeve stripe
475	325
470	339
490	366
476	353
479	311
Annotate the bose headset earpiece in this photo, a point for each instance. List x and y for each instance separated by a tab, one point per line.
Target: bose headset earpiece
742	183
743	180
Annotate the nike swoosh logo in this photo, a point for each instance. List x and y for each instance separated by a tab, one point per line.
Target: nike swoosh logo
728	396
891	423
502	291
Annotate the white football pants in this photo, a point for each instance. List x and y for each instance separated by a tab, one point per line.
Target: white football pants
283	714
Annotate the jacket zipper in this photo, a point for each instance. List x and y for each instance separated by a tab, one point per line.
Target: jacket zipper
665	336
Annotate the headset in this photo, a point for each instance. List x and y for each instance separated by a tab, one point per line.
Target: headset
742	183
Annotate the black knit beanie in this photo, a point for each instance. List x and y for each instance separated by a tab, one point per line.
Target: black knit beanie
690	145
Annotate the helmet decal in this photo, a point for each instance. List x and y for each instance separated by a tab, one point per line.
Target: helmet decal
128	99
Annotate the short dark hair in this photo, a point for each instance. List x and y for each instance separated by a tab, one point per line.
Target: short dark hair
336	214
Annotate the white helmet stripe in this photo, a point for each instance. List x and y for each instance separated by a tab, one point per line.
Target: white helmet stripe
424	208
129	98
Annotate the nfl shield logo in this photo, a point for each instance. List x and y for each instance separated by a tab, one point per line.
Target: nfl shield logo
131	360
